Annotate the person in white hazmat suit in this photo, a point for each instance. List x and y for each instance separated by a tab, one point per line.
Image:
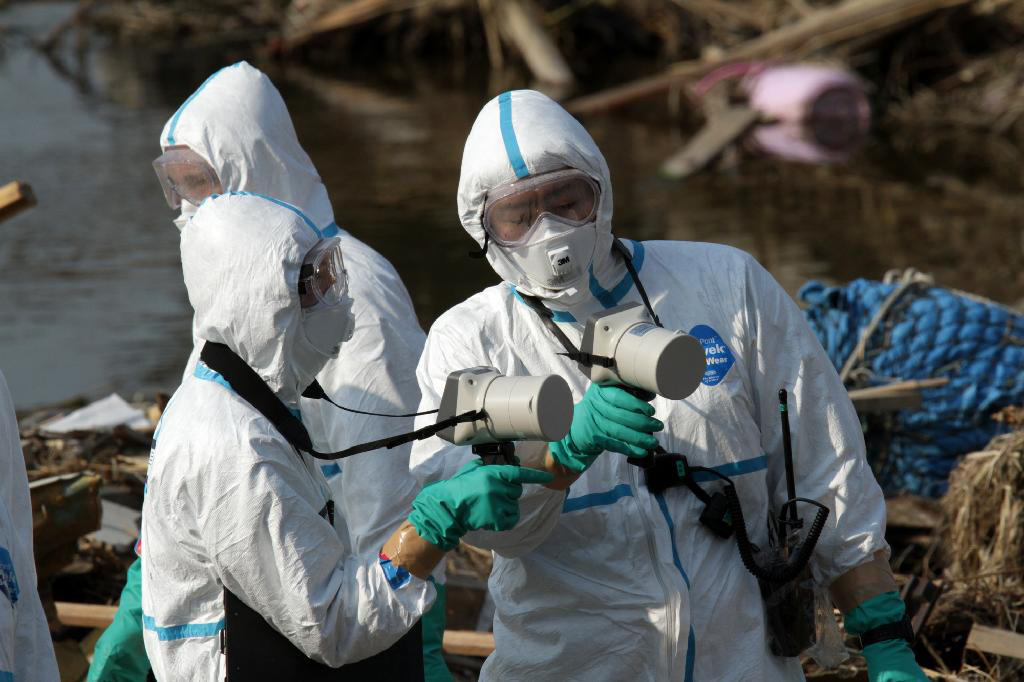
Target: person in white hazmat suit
602	580
26	650
234	511
234	134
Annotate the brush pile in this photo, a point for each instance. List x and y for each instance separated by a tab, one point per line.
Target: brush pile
983	542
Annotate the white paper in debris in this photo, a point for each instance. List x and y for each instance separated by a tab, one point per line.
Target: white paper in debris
103	414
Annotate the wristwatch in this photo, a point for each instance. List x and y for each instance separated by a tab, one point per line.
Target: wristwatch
901	629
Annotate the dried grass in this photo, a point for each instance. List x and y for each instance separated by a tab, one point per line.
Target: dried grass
983	537
984	515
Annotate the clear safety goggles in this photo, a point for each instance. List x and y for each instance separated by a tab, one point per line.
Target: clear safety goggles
512	211
183	174
323	279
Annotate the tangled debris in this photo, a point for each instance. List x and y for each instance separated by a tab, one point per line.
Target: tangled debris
961	560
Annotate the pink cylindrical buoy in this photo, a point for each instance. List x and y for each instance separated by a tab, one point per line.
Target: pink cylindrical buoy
816	113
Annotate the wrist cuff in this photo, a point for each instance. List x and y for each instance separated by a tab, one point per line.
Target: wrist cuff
901	629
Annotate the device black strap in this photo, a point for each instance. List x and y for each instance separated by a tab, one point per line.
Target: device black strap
571	351
316	392
251	387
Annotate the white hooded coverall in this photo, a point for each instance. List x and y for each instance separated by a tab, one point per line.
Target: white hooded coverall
238	121
229	503
26	650
606	581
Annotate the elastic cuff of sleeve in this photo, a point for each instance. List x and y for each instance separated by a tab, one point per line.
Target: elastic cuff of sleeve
432	532
395	575
880	610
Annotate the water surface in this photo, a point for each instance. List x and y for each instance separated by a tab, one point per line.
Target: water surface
92	299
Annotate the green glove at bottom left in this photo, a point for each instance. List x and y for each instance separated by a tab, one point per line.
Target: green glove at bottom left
478	497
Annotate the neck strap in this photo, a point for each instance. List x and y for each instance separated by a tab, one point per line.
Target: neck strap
571	351
251	387
635	276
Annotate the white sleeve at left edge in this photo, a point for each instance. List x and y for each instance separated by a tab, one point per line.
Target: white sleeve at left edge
828	445
33	657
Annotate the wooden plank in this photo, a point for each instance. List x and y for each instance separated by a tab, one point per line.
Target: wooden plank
822	29
898	387
900	395
996	641
85	615
891	403
720	132
15	197
468	643
520	23
347	15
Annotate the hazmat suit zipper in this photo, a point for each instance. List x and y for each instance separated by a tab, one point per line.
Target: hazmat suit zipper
670	605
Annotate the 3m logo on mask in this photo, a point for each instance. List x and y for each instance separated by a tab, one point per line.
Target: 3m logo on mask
717	355
562	264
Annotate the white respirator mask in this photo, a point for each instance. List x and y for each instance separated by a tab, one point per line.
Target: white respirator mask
187	211
559	255
546	226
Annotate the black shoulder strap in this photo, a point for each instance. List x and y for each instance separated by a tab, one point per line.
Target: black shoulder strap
251	387
628	258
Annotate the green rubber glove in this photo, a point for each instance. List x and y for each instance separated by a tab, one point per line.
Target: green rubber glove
891	660
479	497
120	654
608	418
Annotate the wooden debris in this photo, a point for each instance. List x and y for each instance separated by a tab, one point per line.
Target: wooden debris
15	197
721	131
348	14
520	23
824	28
77	18
468	643
85	615
993	641
64	508
899	395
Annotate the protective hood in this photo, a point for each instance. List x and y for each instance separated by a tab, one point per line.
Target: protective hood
523	133
241	256
238	122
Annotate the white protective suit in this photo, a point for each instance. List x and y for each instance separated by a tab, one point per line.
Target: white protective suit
229	502
607	581
26	650
238	122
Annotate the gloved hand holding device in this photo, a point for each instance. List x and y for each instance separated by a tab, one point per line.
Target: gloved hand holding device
608	418
889	660
478	497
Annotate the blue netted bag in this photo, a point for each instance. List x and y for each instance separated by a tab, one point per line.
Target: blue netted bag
923	331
